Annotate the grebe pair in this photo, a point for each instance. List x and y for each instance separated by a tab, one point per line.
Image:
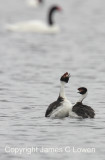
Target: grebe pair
62	107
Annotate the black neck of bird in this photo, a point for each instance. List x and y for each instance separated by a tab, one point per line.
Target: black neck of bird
50	18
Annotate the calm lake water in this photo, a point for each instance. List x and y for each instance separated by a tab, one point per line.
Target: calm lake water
30	67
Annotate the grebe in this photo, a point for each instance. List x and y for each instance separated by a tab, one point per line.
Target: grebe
60	108
37	26
80	109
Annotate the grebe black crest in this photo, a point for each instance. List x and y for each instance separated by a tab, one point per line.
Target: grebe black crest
65	77
80	109
60	108
82	90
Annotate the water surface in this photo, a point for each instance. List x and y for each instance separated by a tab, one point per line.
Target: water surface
30	67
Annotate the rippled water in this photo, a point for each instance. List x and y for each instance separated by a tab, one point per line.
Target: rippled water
30	67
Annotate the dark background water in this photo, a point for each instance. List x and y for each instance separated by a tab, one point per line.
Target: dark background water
30	67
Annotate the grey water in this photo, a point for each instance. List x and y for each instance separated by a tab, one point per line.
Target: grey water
30	68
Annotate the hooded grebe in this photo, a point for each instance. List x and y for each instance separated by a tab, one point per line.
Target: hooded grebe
80	109
61	107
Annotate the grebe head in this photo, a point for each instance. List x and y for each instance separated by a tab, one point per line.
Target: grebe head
65	77
82	90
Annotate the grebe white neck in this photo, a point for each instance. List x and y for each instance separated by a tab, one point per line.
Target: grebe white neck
62	92
83	96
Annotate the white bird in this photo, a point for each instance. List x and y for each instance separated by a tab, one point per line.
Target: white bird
36	25
61	107
34	3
